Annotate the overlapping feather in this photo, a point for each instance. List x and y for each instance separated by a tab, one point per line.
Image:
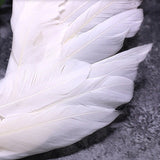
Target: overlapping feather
64	80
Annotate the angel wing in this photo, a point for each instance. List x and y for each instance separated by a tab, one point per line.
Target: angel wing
69	80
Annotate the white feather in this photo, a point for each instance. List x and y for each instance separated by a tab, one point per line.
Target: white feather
90	46
48	129
123	64
28	24
64	80
98	13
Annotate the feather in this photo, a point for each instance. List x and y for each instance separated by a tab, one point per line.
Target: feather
64	79
42	131
123	64
88	46
97	13
30	91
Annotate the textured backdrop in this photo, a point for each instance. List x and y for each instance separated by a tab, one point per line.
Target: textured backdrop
135	135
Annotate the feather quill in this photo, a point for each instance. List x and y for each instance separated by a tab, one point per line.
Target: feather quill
64	71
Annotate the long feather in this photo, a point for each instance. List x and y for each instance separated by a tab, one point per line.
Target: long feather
88	46
97	13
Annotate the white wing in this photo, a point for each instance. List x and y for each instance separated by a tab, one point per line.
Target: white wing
71	84
37	29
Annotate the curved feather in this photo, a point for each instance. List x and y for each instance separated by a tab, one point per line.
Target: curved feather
96	14
42	131
123	64
29	90
88	46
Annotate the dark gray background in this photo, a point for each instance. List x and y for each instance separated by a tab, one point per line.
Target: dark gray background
135	135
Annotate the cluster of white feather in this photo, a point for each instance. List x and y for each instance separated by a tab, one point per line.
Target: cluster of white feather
64	80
